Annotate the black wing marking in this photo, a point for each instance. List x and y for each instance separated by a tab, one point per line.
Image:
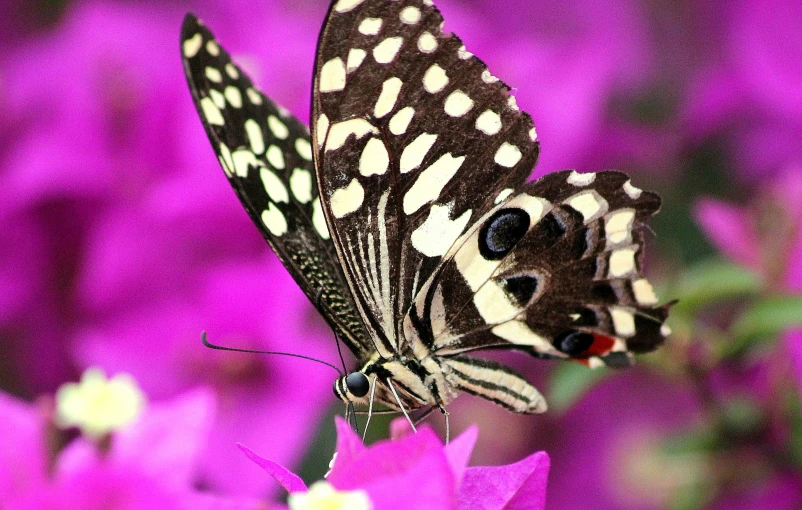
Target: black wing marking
415	140
267	157
555	269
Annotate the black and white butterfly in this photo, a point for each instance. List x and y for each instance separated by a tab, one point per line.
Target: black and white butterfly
407	220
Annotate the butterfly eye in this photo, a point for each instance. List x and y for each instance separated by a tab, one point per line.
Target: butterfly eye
502	232
573	342
357	384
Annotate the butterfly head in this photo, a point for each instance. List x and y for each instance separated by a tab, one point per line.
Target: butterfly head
352	387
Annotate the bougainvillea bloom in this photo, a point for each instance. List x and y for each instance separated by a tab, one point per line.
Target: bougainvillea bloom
415	471
146	463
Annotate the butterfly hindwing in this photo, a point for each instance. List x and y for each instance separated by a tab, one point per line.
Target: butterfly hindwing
554	270
414	139
266	155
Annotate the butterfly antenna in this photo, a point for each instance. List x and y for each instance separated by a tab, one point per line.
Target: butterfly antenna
254	351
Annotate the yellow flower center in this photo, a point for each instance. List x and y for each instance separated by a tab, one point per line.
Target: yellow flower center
98	405
322	496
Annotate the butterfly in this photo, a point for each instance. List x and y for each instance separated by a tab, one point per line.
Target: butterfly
407	219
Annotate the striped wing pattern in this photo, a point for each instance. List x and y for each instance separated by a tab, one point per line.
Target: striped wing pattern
266	154
407	219
414	139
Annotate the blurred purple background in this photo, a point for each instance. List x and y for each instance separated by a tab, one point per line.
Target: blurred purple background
120	240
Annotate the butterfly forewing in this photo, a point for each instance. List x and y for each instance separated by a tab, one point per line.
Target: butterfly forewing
414	140
267	156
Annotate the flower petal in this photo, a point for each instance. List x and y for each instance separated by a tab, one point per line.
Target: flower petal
413	472
459	452
290	481
519	486
728	228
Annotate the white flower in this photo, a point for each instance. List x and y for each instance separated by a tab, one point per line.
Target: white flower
322	496
98	405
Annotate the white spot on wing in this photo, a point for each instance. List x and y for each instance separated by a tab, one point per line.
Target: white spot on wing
502	196
346	200
438	233
254	96
579	180
255	137
622	262
427	43
487	77
623	322
301	185
533	134
192	45
400	121
319	220
489	122
458	103
413	154
303	148
226	160
431	181
274	220
243	161
231	71
275	157
370	26
346	5
355	58
507	155
211	112
332	76
618	226
213	74
464	54
665	330
278	128
233	96
631	191
387	98
518	333
589	203
513	103
218	98
322	129
374	158
644	293
385	51
340	132
274	187
410	15
435	79
213	48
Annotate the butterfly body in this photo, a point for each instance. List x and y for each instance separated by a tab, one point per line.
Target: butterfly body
406	215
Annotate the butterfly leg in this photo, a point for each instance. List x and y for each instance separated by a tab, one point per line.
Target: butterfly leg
448	427
401	405
370	407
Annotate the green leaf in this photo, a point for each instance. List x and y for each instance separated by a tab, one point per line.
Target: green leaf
713	280
765	318
569	381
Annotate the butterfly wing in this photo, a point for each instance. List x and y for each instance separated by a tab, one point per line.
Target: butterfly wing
555	269
414	139
266	154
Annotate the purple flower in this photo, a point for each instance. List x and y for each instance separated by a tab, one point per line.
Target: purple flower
415	471
269	401
747	97
149	462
